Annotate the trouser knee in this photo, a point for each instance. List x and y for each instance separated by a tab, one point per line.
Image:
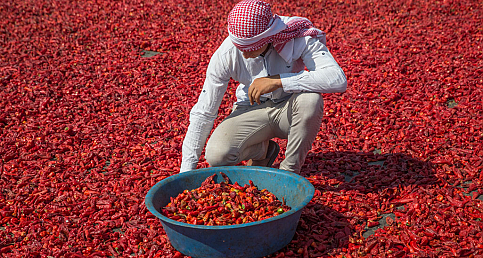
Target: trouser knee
310	105
218	155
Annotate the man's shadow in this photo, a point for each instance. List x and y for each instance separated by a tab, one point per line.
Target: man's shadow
353	175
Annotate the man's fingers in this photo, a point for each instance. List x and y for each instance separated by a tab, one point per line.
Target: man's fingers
256	90
257	97
254	95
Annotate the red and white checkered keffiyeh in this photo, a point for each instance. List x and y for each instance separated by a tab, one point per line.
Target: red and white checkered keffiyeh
251	25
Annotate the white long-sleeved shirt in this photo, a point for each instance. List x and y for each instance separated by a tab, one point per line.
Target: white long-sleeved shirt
324	75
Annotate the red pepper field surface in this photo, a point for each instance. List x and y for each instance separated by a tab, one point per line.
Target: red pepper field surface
94	105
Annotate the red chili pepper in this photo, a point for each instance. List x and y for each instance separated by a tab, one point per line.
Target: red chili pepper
210	208
424	241
371	224
178	255
399	253
430	232
438	218
6	249
370	246
413	236
456	203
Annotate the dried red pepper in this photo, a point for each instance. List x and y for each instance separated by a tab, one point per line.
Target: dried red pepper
220	204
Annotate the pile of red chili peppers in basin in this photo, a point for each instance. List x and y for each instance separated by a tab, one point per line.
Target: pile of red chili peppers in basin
222	204
94	103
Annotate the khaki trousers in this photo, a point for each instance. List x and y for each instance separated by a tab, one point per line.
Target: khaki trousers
245	133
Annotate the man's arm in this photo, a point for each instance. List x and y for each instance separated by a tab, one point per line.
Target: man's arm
324	75
204	112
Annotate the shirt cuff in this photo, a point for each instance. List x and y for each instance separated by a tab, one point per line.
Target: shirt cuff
290	82
187	167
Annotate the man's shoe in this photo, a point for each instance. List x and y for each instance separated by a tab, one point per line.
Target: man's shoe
272	153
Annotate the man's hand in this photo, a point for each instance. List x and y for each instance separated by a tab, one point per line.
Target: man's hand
263	85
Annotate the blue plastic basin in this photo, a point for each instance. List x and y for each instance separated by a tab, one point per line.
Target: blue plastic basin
255	239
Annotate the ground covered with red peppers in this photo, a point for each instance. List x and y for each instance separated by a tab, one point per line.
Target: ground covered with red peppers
94	103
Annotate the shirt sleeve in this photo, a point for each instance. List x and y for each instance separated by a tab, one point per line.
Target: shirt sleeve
205	111
324	75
